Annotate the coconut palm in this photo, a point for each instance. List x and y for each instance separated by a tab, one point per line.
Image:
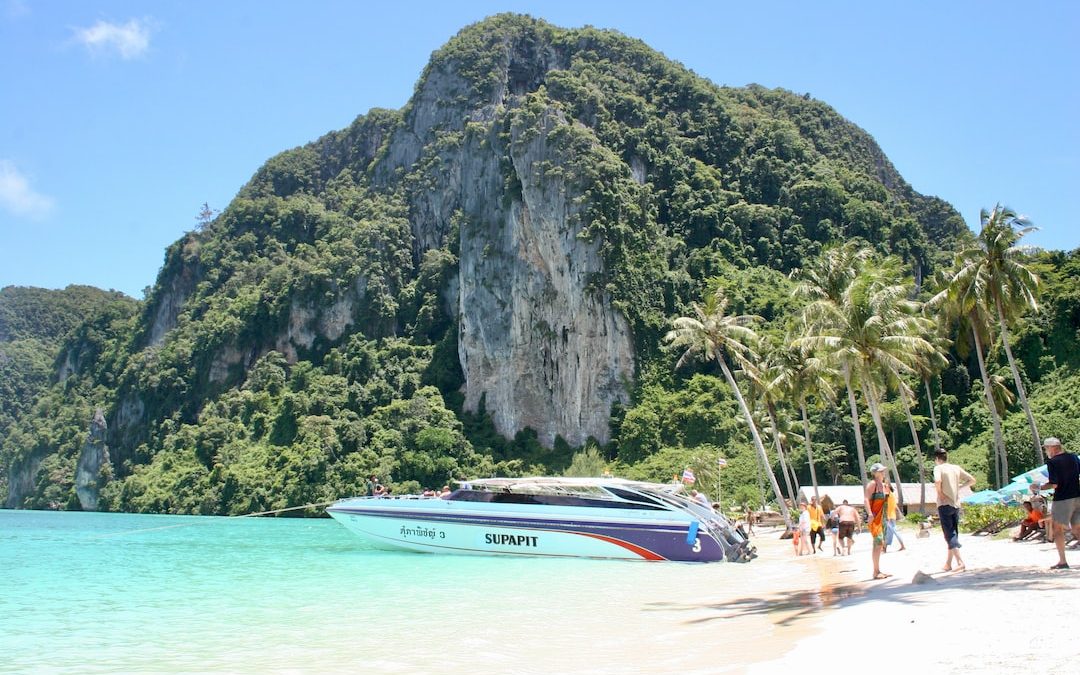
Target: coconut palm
926	365
823	285
875	332
801	375
1011	286
958	302
712	334
765	388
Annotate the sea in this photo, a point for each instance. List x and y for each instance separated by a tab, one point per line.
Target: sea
123	593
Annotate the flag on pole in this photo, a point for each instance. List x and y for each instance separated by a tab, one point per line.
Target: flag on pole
688	476
720	461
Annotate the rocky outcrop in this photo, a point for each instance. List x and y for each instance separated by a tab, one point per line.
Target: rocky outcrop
93	458
177	281
20	482
539	347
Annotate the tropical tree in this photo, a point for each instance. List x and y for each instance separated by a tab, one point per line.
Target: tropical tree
823	285
1008	286
800	375
712	334
958	302
766	389
876	332
928	365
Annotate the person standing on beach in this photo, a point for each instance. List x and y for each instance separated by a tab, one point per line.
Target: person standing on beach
817	526
877	494
948	480
1063	469
848	517
802	534
890	523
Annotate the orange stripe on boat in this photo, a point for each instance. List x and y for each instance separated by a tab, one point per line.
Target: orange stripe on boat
643	552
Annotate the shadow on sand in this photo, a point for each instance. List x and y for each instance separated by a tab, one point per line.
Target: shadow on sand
791	607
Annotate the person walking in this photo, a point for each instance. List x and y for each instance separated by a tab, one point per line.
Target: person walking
802	534
1063	470
848	518
817	526
877	494
890	523
948	481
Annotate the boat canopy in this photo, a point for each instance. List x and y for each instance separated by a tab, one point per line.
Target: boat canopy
576	485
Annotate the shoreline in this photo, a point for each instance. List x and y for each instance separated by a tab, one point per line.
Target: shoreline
976	621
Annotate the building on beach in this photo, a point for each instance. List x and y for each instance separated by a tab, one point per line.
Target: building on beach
856	497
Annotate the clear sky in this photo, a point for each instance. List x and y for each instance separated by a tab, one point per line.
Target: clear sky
118	119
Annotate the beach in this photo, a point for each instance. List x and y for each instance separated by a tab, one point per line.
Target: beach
1005	611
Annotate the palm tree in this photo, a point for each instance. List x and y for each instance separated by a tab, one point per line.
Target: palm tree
1011	286
958	301
800	375
875	333
823	286
764	388
932	363
712	334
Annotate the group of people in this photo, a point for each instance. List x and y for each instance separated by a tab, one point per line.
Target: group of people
881	505
377	489
1063	471
843	520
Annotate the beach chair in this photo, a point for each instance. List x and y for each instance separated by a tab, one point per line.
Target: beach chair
989	528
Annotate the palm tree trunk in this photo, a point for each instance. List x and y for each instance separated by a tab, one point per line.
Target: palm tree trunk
937	437
933	417
999	443
1019	383
855	424
780	453
883	442
809	450
918	448
762	455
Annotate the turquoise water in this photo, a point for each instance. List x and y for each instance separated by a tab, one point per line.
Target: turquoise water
93	592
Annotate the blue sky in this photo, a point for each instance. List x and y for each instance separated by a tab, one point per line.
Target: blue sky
119	119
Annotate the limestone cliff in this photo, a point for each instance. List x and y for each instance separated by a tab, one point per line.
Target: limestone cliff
93	458
537	345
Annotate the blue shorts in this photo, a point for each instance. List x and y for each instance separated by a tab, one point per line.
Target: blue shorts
950	524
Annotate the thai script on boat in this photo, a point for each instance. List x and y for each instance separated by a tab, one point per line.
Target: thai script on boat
510	539
421	531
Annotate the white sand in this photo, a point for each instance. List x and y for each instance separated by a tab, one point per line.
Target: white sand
982	620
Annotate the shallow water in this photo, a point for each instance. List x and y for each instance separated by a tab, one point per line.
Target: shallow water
91	592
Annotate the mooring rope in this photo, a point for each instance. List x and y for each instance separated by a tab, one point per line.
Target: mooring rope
210	521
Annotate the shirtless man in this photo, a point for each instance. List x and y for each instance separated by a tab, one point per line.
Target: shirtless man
849	520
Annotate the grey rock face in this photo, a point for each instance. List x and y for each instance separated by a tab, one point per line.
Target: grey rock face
539	347
93	456
536	343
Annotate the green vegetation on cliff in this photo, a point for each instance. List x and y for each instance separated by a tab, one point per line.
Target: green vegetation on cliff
309	334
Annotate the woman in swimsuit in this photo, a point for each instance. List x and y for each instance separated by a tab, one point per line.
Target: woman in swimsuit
877	494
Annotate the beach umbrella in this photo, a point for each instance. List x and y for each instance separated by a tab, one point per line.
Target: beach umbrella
1036	475
983	497
1016	489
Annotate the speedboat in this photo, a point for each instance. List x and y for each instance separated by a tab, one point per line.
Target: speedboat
609	518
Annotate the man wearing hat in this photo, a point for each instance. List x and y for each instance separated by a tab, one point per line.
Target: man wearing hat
948	481
1063	469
